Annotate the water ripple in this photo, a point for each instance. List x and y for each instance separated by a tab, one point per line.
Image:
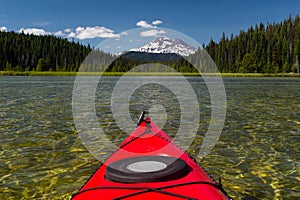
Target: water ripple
41	156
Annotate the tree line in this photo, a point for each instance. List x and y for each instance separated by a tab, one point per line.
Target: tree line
24	52
271	48
150	62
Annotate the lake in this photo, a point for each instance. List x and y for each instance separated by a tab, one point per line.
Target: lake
42	156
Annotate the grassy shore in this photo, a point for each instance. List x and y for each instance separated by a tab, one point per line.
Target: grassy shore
260	75
34	73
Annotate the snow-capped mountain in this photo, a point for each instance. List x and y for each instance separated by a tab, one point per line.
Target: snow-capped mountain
166	45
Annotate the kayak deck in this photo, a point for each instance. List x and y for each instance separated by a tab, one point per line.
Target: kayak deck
149	165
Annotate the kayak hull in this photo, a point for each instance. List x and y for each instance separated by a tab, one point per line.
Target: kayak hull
149	165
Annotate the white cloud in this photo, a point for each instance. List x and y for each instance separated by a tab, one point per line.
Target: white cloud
93	32
71	35
144	24
156	22
59	33
3	29
80	29
152	32
80	32
34	31
68	30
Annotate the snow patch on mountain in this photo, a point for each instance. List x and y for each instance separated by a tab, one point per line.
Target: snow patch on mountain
166	45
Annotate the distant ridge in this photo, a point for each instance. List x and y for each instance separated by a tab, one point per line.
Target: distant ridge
149	56
127	61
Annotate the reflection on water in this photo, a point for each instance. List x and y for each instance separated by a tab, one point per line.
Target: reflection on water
42	157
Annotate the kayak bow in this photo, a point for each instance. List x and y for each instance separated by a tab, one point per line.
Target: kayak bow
149	165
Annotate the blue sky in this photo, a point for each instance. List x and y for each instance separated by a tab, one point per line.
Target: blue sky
93	21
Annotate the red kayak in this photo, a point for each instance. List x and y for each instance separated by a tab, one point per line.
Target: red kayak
148	165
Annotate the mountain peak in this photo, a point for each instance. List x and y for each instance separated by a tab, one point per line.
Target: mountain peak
164	44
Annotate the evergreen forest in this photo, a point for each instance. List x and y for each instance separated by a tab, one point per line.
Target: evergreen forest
23	52
263	48
271	48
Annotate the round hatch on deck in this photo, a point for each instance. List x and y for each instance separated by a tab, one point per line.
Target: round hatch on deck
147	169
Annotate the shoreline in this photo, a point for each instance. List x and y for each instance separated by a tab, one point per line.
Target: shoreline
48	73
